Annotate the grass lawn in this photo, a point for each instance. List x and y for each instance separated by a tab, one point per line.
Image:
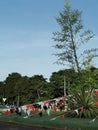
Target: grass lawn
54	121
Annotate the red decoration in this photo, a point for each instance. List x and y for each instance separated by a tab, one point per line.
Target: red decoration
36	109
9	113
82	109
96	92
3	112
59	103
29	106
13	109
96	104
32	108
55	109
46	102
62	116
63	98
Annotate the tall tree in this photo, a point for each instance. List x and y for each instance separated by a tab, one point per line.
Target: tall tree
2	91
38	84
70	38
10	84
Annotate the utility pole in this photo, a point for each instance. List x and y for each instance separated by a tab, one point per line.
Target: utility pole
64	86
18	100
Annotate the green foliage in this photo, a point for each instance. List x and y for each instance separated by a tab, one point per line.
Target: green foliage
9	85
22	89
2	90
84	102
36	88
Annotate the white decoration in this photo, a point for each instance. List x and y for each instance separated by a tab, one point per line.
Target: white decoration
48	111
28	112
76	111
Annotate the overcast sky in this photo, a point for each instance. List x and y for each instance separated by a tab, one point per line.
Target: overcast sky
26	28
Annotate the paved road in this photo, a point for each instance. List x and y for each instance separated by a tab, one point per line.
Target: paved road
7	126
10	126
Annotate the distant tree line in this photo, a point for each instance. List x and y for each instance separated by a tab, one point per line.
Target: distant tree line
23	89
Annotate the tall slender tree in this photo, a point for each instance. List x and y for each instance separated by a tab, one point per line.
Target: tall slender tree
69	39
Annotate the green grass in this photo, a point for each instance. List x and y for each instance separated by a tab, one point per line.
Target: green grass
45	120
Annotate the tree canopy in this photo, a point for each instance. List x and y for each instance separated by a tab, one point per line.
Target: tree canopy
69	39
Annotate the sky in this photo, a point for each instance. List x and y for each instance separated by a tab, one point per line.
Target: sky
26	32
